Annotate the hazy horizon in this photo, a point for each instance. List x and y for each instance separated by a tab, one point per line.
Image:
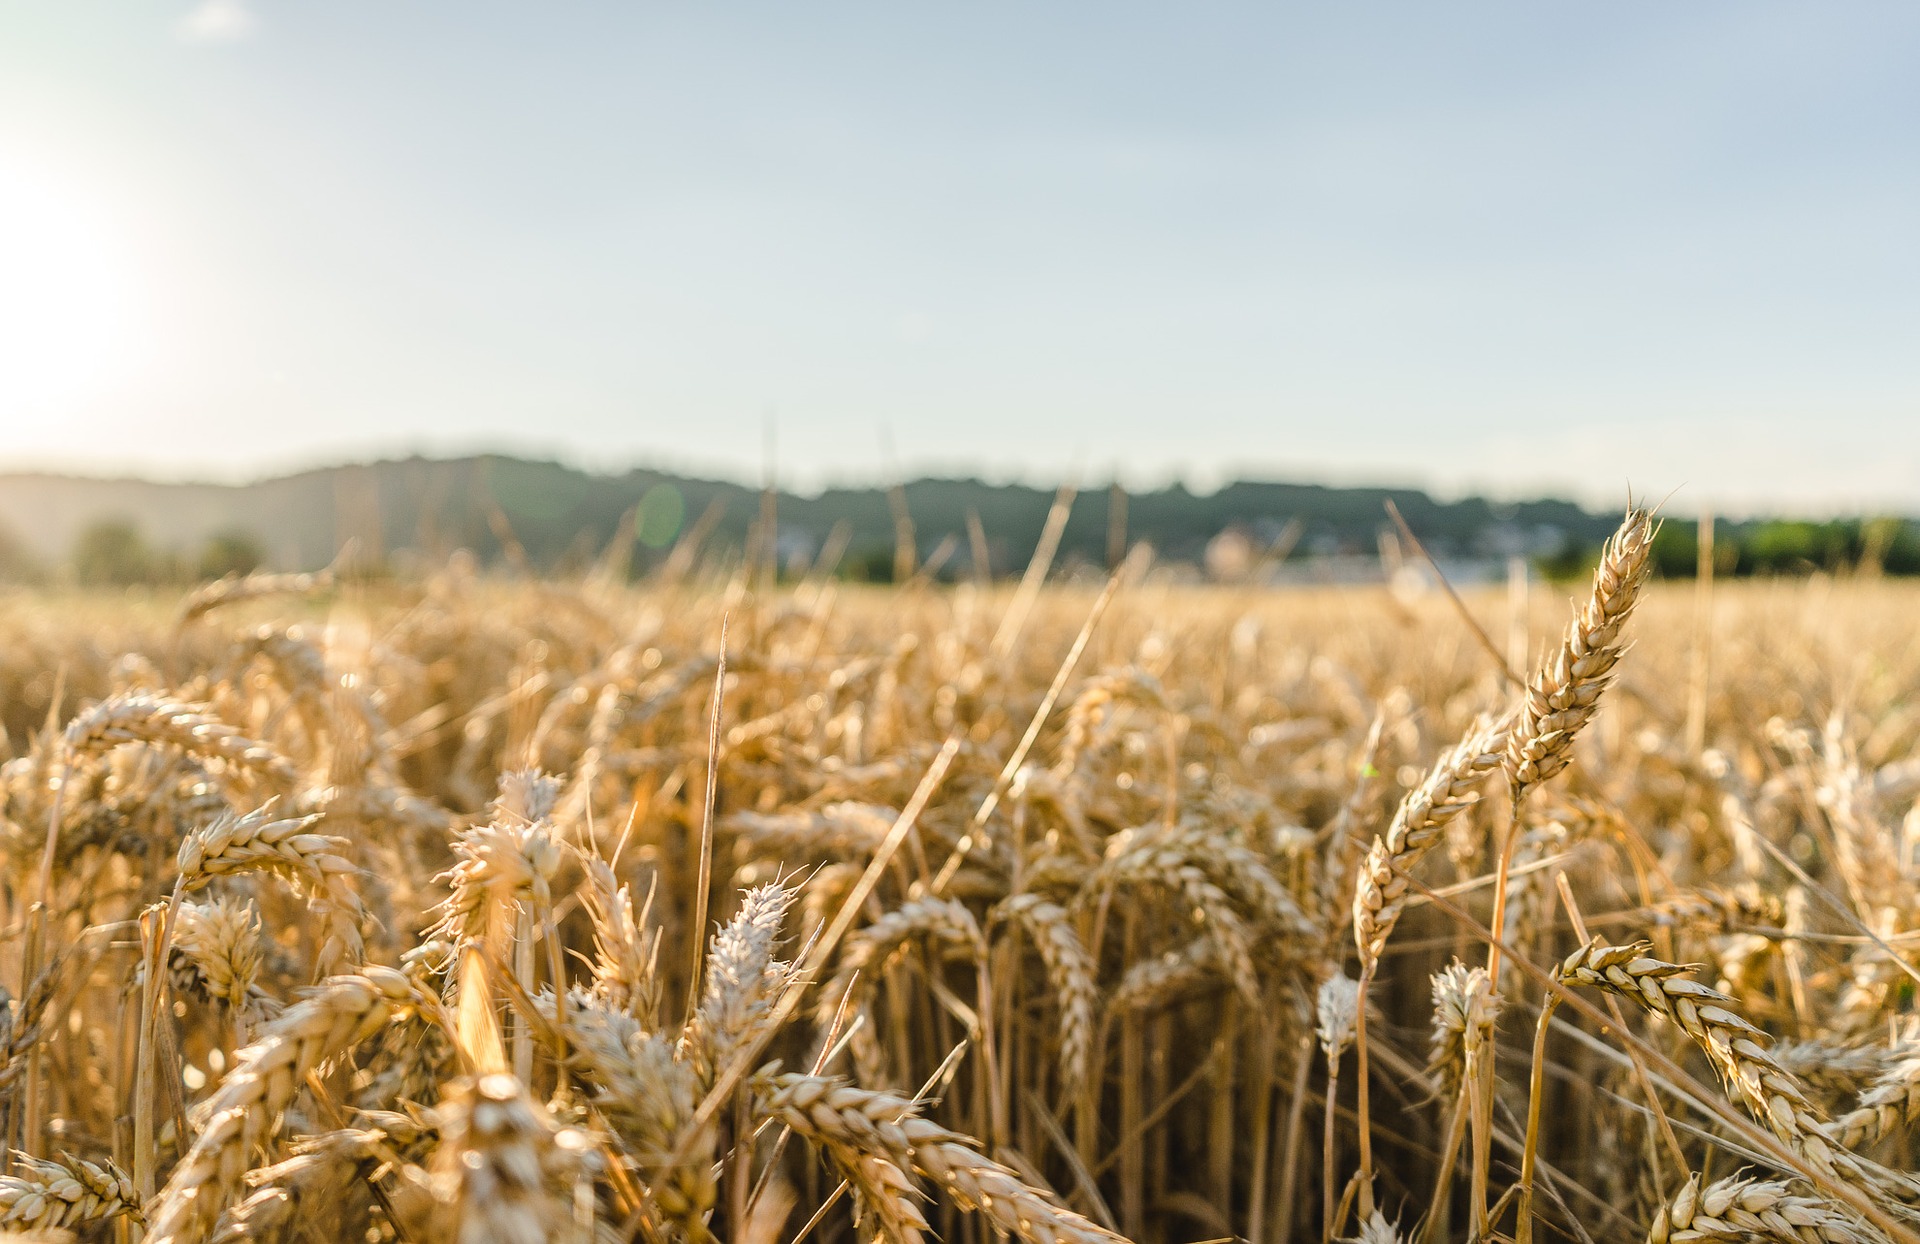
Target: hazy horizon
1496	248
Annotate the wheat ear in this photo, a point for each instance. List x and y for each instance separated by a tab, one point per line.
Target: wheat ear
1464	1010
163	721
741	982
1891	1102
335	1015
220	943
1154	858
1835	1067
650	1096
1375	1228
1564	692
307	1184
884	1194
43	1195
1337	1006
1152	983
844	828
234	589
496	1161
22	1021
624	950
941	919
1753	1210
1069	970
823	1111
1735	1047
1451	787
499	865
311	863
1380	891
1243	873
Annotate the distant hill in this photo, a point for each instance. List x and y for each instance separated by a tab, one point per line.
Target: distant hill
558	513
560	516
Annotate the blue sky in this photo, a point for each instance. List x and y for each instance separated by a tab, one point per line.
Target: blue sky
1520	247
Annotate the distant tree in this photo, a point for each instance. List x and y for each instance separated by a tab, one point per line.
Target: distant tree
1574	560
113	552
1793	547
869	565
1676	549
230	552
1902	554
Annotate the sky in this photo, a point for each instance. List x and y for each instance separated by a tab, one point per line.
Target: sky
1514	247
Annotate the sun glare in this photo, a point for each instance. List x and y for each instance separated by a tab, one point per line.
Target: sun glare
66	299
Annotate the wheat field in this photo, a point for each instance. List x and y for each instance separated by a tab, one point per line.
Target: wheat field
708	908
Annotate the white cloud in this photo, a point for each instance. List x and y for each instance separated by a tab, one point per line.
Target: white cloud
217	21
